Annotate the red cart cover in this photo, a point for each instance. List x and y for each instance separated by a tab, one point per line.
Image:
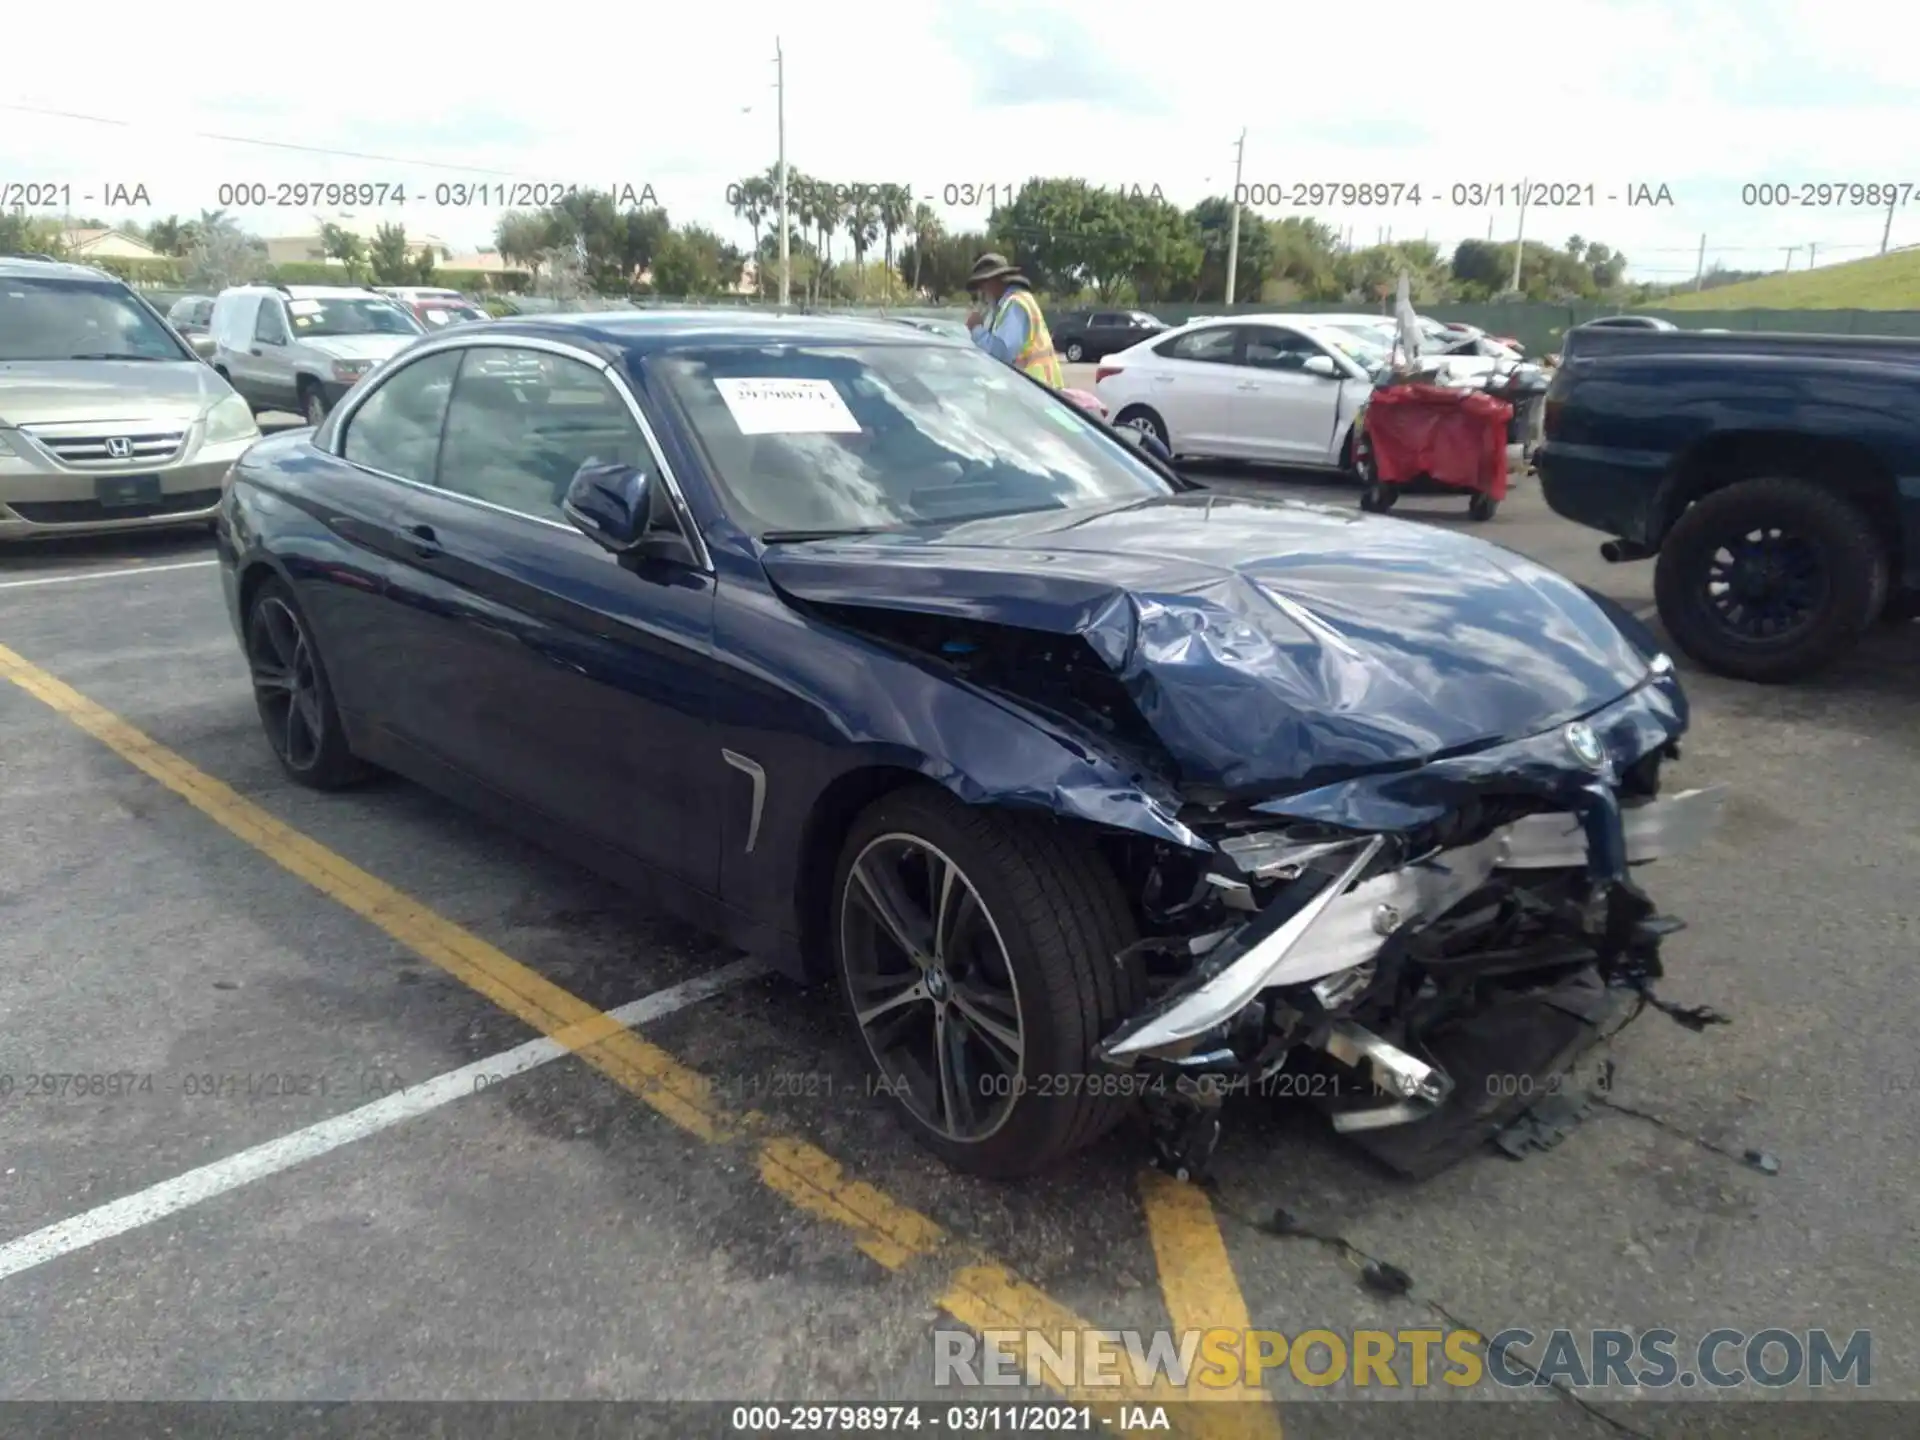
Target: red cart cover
1457	437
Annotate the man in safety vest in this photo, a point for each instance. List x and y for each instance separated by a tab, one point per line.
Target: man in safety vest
1007	323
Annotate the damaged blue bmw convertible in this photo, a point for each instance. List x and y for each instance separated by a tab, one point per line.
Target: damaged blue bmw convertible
1102	798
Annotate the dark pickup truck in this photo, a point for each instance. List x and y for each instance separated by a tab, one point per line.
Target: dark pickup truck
1775	477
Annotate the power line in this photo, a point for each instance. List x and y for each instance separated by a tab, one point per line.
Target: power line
274	144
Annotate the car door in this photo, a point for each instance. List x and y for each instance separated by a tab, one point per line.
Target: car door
1107	334
270	369
575	684
1281	410
232	325
1191	384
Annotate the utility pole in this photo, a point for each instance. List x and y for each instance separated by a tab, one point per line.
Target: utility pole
1700	269
1489	227
1233	225
1812	248
1791	250
1887	233
780	88
1520	238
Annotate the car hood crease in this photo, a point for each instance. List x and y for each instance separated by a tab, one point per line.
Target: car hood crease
1266	644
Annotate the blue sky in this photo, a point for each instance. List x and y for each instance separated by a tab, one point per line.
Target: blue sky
1699	95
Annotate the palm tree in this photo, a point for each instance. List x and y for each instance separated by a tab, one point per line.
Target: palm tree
753	200
926	232
802	214
829	210
170	236
863	226
896	210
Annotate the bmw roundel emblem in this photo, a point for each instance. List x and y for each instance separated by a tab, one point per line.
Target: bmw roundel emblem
1585	745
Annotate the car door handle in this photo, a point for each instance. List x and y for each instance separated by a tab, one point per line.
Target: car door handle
254	351
426	544
1248	385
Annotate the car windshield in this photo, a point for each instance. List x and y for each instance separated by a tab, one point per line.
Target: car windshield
314	318
42	318
1369	344
833	439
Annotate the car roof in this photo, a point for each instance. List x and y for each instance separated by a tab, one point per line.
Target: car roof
53	269
648	332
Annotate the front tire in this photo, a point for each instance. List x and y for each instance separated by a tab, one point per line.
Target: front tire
1076	352
291	692
1770	579
976	952
313	403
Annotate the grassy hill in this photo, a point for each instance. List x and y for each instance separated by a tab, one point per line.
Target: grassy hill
1885	282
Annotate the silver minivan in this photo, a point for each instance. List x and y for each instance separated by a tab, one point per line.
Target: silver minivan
300	348
108	421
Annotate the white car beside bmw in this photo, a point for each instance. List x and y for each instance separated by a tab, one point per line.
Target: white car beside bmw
1279	388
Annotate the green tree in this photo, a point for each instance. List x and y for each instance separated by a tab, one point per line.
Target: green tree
1212	219
896	213
339	243
24	234
389	257
171	236
927	231
862	216
524	238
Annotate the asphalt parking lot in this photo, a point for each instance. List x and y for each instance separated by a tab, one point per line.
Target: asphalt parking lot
314	1097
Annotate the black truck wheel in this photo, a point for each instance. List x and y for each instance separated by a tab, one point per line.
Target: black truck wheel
1770	579
976	950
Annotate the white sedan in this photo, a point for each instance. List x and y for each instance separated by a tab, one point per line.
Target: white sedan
1281	388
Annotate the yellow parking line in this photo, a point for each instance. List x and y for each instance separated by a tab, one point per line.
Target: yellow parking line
980	1293
1198	1283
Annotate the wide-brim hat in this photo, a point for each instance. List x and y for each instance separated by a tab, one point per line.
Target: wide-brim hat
992	266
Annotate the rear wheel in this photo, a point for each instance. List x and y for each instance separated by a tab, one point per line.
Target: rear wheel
976	951
1076	352
1770	579
291	692
1147	422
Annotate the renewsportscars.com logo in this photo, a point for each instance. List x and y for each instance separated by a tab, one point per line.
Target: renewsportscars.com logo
1220	1359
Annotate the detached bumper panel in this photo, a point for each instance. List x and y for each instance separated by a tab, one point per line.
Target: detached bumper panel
1346	924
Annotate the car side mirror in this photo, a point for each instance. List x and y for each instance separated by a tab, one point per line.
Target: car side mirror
203	346
1321	365
620	509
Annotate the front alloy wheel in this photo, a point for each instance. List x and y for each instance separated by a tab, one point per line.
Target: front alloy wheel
979	953
932	987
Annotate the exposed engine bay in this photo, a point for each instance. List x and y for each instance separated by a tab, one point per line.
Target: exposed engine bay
1445	935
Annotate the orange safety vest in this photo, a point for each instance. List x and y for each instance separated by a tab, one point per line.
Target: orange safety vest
1036	357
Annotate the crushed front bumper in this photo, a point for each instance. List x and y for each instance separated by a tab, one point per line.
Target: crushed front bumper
1347	923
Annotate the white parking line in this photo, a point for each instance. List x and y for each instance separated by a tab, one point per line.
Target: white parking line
171	1196
119	574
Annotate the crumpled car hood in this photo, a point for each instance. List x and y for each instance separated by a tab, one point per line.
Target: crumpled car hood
1266	643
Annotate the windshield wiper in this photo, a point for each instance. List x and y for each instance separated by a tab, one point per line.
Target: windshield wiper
776	537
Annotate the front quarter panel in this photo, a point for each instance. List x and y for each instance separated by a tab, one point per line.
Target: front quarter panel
814	705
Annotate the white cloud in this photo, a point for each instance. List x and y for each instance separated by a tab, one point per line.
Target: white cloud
1701	98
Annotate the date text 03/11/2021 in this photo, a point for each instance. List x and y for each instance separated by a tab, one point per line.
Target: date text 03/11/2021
965	1419
1463	194
447	194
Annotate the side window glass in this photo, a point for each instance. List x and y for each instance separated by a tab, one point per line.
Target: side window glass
1214	345
397	429
269	328
1279	349
522	422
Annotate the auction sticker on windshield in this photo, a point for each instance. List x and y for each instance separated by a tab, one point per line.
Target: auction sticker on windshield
776	406
303	307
